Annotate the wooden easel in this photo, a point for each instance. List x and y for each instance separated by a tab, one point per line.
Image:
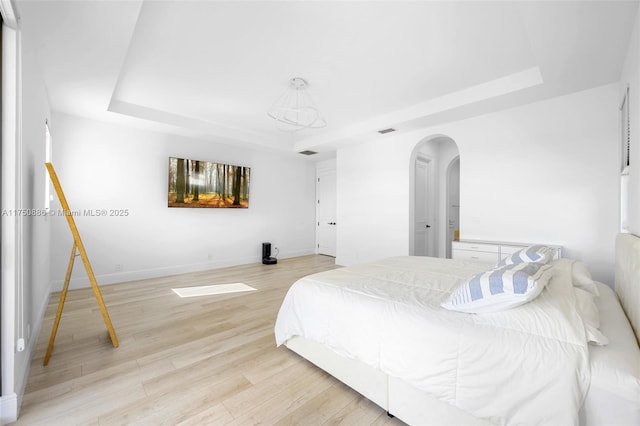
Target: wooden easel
77	247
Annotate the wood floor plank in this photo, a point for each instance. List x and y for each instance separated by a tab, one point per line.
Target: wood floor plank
216	414
319	409
271	388
359	412
287	399
209	360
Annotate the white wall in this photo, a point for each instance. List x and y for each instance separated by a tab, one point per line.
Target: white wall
373	200
631	77
544	172
104	166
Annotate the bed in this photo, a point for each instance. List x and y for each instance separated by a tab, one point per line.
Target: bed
383	329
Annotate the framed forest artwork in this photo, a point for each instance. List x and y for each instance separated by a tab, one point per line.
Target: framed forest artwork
194	183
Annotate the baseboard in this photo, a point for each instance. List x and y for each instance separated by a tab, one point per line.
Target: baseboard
8	408
144	274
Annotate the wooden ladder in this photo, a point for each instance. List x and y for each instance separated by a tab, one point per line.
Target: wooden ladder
79	248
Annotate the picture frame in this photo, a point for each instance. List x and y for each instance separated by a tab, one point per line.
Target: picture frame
206	184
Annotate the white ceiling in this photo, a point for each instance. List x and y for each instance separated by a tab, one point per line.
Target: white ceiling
213	68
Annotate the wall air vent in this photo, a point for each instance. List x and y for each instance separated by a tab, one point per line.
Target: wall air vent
307	152
384	131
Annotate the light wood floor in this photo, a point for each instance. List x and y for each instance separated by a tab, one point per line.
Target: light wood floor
193	361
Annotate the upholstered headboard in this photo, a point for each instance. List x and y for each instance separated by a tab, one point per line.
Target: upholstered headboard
627	278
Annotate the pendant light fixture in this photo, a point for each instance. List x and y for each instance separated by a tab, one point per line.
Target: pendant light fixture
295	110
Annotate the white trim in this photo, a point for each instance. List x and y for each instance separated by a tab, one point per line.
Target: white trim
11	82
8	408
9	192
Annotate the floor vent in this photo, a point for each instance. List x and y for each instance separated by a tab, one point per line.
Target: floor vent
389	130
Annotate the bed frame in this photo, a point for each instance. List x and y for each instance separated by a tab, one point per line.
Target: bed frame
412	405
628	278
399	398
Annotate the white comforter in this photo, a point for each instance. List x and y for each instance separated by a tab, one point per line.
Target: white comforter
528	365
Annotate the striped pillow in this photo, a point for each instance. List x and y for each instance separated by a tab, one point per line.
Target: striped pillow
500	289
537	253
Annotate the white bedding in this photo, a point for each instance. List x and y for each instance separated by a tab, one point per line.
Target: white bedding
528	365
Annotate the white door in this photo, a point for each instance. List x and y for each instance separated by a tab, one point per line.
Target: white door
326	212
424	230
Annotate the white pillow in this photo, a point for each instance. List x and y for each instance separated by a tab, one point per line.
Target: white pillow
582	277
590	315
537	253
500	288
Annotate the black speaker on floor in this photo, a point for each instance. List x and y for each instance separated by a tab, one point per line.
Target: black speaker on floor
266	255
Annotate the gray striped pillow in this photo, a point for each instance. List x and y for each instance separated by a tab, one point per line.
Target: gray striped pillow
500	288
537	253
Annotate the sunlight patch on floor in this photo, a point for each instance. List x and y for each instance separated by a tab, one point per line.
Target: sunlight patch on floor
207	290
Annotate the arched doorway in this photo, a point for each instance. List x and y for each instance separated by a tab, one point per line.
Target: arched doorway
435	160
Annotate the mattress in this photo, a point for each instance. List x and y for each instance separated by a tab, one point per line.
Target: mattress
526	365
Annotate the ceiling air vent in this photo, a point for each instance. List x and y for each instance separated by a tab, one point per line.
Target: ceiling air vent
307	152
389	130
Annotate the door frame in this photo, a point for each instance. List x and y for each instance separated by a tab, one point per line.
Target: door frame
412	192
431	203
450	207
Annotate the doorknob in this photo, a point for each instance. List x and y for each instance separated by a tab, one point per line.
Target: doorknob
428	226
